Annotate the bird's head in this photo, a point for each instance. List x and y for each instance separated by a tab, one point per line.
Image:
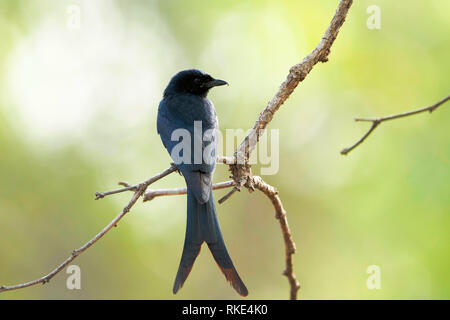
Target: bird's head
192	81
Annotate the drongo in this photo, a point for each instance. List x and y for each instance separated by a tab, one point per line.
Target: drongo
187	118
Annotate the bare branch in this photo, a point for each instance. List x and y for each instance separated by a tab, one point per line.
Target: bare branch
289	243
100	195
229	194
296	74
139	192
128	187
377	121
152	194
226	160
373	127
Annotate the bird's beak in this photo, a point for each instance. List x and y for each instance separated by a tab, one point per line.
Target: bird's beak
214	83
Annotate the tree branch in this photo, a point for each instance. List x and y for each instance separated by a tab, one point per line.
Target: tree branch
241	170
152	194
289	243
377	121
296	74
140	189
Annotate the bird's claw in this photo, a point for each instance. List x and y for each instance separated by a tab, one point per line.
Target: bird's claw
176	168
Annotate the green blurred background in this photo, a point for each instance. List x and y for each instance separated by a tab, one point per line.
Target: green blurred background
78	114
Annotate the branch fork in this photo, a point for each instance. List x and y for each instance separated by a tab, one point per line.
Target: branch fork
377	121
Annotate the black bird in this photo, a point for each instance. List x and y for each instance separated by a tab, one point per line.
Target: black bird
183	109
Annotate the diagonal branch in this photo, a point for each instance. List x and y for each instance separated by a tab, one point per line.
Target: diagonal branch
241	170
377	121
296	74
137	194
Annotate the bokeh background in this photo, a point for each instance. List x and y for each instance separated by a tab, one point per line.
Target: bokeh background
78	114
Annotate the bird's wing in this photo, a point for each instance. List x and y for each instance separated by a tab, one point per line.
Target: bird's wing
198	173
165	126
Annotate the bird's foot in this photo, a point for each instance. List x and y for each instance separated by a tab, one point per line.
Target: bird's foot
178	170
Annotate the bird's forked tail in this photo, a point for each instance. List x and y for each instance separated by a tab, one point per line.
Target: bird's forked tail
203	226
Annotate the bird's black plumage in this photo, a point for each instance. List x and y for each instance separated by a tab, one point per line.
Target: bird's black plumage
184	108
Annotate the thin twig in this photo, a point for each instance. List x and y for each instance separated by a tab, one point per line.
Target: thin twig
101	195
128	187
229	194
237	187
377	121
138	193
152	194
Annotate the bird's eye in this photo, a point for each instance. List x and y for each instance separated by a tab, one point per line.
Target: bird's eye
197	80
